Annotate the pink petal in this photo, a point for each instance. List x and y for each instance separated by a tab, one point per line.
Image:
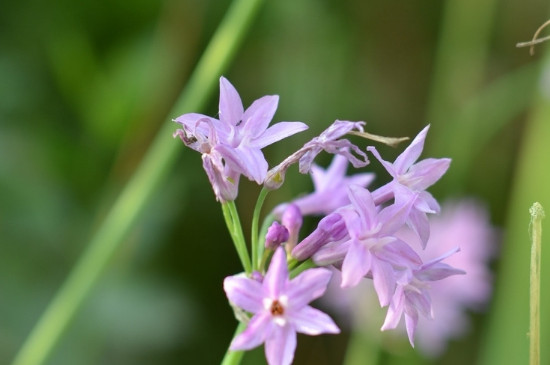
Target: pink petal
384	281
255	164
277	132
331	253
313	322
307	286
356	264
231	106
280	346
258	116
244	293
256	332
410	323
277	275
411	153
425	173
393	217
362	201
418	222
395	310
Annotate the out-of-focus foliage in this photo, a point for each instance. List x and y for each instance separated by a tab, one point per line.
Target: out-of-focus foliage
86	85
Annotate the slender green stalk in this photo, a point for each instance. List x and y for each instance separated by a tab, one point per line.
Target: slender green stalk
256	250
303	266
504	341
268	220
152	170
234	357
235	229
537	213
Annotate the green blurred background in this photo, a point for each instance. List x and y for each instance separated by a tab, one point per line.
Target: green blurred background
85	86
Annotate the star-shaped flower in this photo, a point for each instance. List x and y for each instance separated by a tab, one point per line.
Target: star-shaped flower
412	297
280	308
409	179
232	145
371	248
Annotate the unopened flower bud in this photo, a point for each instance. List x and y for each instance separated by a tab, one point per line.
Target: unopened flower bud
276	234
292	219
331	228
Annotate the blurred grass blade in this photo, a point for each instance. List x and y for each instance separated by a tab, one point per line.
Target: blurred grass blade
470	128
139	189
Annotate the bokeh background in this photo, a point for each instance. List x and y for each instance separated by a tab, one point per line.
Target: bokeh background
85	86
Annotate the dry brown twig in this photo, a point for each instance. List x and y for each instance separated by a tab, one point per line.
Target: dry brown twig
535	40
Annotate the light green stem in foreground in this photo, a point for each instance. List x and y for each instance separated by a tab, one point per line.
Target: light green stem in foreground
235	229
303	266
257	251
537	213
234	357
152	170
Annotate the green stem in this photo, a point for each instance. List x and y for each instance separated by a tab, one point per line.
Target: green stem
308	264
235	229
234	357
152	170
256	249
537	213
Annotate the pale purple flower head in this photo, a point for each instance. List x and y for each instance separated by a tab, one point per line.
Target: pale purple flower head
231	146
280	308
409	179
330	188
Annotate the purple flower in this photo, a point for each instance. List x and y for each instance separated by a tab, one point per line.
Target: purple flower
372	249
329	141
410	178
232	145
466	224
280	308
411	297
330	188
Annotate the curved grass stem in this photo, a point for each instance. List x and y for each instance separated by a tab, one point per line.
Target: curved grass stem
136	194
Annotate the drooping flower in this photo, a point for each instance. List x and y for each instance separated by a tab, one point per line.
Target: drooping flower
410	178
330	141
463	223
231	146
330	188
280	308
411	296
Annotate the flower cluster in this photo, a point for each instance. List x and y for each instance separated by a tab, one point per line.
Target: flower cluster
357	234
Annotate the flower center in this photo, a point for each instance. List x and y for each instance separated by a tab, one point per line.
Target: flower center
277	308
